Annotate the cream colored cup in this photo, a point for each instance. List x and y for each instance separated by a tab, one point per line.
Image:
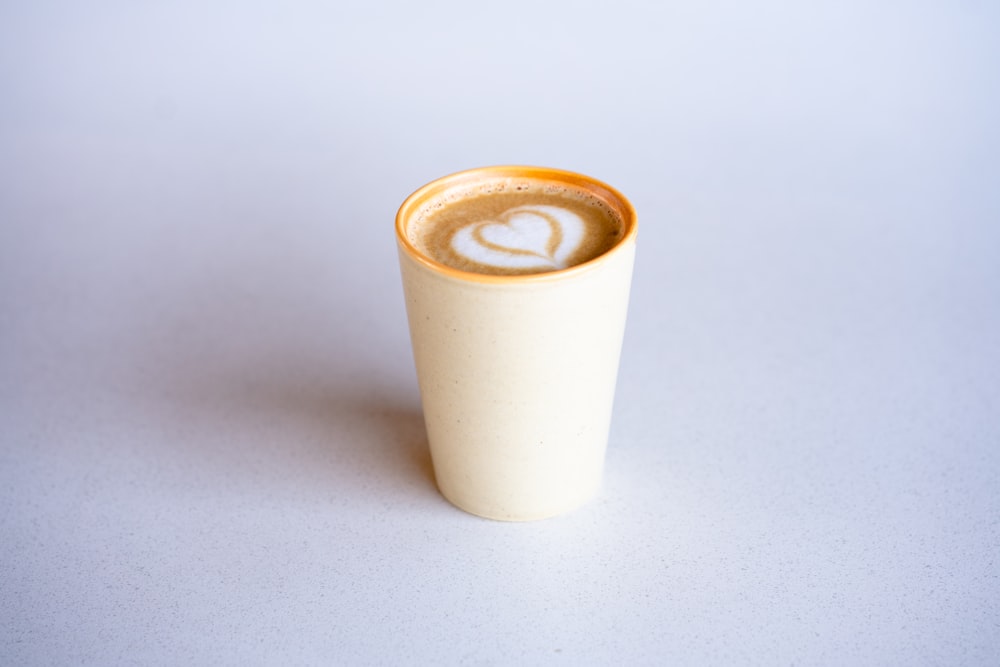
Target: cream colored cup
517	373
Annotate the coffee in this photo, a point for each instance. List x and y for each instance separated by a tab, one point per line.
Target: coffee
516	372
510	225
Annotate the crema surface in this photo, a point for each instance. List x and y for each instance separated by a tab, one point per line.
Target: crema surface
511	228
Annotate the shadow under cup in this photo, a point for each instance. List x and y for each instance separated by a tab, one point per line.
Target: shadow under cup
517	372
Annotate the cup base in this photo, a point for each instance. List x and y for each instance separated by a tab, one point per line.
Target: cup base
495	513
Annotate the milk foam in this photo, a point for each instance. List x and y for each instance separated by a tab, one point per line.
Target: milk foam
524	237
514	226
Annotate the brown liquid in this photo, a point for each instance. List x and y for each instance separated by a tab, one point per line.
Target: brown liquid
512	226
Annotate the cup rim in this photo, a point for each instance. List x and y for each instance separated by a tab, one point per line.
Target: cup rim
598	188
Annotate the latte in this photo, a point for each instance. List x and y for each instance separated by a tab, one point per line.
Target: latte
516	282
512	225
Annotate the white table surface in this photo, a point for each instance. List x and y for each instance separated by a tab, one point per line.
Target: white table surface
211	447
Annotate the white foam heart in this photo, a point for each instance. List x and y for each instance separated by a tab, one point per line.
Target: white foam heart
525	237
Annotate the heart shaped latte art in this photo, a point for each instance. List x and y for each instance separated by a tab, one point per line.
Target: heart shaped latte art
526	237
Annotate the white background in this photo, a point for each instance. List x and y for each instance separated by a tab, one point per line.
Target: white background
211	448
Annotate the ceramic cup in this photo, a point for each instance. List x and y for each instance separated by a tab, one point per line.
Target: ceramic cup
517	373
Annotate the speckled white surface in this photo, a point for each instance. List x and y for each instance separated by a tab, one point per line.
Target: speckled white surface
211	450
